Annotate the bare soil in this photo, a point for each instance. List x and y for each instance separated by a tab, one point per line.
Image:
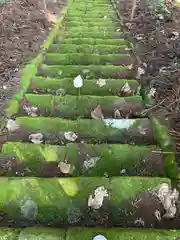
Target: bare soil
23	28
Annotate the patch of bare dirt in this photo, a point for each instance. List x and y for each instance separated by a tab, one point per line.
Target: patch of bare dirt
24	25
156	37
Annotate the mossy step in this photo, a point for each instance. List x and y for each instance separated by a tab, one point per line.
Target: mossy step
90	11
85	159
86	71
69	106
75	233
87	59
121	234
90	87
91	14
90	19
98	34
94	29
91	41
87	48
132	131
64	201
91	24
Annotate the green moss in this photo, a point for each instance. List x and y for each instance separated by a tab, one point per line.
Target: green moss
9	234
122	234
165	141
126	191
42	234
34	156
85	48
97	29
86	59
111	158
13	108
53	197
112	87
102	34
30	71
88	72
89	24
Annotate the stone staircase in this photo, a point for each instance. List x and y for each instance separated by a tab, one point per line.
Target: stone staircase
80	152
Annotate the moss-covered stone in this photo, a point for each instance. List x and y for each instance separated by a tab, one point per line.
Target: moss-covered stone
132	131
88	160
87	59
88	72
85	48
90	87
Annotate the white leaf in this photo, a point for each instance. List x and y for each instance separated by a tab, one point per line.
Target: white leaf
99	237
78	82
171	212
126	88
70	136
97	201
91	162
105	17
140	72
12	126
152	92
101	82
64	167
118	30
31	111
123	171
163	191
36	138
157	215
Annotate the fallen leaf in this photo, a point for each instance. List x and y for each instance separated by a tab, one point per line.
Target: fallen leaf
126	88
171	212
140	72
12	126
101	82
65	167
36	138
52	18
152	92
91	162
117	114
97	113
157	215
98	199
78	81
31	111
70	136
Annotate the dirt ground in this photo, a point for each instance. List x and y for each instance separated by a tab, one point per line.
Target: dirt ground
23	28
156	37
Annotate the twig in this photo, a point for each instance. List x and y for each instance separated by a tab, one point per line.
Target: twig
149	109
133	10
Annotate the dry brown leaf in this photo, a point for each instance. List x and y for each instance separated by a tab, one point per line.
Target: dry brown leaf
97	113
52	18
